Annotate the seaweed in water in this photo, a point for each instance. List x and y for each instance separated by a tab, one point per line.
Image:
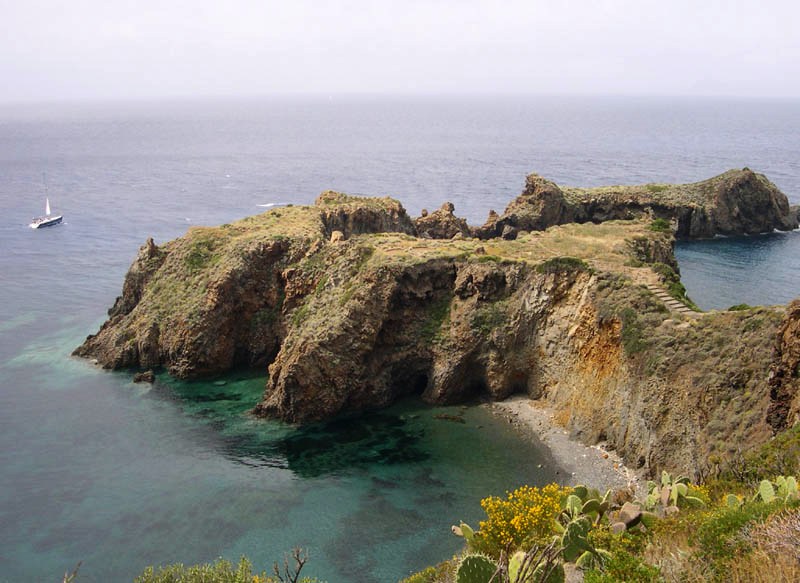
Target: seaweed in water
342	444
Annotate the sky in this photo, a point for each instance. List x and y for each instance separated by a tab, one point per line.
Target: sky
131	49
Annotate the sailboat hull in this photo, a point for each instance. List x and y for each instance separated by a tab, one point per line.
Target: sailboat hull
45	222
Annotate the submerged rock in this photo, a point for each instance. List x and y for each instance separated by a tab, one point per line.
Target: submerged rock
147	376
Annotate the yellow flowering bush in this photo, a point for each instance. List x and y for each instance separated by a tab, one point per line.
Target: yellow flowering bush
700	491
525	516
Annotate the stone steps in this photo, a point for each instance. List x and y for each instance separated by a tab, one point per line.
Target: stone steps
672	304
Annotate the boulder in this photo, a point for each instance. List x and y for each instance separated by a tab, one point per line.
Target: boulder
147	376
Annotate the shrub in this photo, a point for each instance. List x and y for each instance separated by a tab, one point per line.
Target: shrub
717	537
438	313
624	566
660	226
632	333
220	572
778	457
442	572
740	308
524	517
489	317
224	572
562	264
200	254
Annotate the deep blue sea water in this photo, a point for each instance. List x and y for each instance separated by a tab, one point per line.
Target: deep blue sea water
95	468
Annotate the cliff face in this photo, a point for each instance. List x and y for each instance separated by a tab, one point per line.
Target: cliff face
738	202
446	328
213	299
615	365
351	311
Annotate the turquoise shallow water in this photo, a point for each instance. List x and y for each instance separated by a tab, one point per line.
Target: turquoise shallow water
121	475
95	468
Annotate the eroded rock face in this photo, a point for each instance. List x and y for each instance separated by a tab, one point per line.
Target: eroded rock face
353	216
441	224
433	329
147	262
542	204
738	202
231	322
784	375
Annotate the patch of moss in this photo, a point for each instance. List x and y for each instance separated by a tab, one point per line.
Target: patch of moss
264	317
348	292
438	314
489	317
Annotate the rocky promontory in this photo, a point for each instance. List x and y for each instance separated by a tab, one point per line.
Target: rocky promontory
738	202
350	310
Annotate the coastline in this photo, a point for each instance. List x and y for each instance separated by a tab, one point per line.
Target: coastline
594	466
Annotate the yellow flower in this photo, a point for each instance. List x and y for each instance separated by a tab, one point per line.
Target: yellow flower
525	516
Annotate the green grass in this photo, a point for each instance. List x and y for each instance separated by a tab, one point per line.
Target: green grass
656	188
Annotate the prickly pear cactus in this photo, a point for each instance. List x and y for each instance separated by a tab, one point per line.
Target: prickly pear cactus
766	491
468	533
475	569
514	565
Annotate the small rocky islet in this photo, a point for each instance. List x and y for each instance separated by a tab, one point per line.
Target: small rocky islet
571	296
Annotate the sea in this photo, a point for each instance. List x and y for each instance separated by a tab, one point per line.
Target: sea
117	476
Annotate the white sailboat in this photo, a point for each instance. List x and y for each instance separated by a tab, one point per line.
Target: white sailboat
47	220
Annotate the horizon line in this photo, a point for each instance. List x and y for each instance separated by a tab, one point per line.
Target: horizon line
331	96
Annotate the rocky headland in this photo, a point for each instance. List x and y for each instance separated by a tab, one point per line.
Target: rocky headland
738	202
352	304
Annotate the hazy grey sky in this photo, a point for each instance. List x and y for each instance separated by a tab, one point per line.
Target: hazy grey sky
74	49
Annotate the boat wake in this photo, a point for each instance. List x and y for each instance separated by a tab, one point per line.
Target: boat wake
272	204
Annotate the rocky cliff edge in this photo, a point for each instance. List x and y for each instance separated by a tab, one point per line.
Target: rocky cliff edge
350	311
